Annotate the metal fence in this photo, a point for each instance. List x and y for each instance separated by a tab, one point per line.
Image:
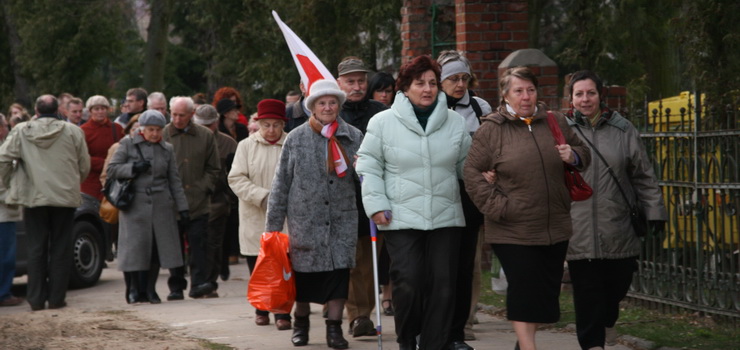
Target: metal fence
695	264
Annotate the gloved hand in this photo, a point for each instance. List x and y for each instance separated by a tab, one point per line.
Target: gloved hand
657	227
184	221
141	166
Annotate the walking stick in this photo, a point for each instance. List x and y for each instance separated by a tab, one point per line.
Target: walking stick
378	305
376	284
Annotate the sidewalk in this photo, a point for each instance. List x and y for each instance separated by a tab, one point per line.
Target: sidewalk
229	319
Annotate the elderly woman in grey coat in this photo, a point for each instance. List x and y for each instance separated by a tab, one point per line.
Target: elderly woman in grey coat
148	236
314	187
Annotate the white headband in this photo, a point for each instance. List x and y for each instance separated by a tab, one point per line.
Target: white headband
454	67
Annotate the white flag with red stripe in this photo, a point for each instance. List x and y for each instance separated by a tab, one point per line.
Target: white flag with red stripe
309	66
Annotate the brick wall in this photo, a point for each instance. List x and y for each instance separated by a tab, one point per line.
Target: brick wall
488	31
416	32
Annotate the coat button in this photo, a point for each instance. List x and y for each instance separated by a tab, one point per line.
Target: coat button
327	223
331	182
327	202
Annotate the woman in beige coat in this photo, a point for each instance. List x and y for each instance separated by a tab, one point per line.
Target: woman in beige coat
251	179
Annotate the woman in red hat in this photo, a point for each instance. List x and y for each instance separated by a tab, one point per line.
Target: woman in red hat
251	179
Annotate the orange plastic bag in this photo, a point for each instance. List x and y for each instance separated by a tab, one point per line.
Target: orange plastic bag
272	285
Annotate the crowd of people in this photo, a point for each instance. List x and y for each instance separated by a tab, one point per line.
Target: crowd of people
438	170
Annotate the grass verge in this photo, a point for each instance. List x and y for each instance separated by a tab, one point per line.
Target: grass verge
680	330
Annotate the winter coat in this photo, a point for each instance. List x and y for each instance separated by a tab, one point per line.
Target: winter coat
358	114
251	180
197	163
601	224
99	138
8	213
464	108
241	131
320	207
223	197
412	171
159	197
529	203
297	115
52	161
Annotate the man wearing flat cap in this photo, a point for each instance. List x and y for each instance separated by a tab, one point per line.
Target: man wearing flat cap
223	201
357	111
196	152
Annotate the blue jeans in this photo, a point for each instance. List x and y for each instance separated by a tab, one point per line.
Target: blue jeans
7	258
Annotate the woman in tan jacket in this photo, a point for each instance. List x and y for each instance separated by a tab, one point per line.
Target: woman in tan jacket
251	179
526	204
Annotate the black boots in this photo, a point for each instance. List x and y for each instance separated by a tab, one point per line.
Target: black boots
300	331
151	292
334	338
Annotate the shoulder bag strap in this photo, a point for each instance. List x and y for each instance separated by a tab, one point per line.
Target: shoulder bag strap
557	134
141	155
608	168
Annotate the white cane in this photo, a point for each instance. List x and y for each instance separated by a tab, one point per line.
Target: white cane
376	286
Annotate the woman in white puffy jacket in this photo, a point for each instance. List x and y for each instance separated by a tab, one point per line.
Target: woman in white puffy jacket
410	160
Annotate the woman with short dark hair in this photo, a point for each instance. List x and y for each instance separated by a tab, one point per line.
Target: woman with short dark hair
602	255
411	159
381	88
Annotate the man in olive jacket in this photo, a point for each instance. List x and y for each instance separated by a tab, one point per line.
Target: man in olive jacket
199	166
43	162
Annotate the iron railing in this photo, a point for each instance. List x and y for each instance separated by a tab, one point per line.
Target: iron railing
695	264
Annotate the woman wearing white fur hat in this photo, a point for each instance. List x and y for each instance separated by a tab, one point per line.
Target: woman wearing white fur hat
314	188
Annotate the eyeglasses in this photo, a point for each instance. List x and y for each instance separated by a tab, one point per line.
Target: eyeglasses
456	78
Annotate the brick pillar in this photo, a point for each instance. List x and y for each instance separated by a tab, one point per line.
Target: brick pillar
416	34
487	31
543	67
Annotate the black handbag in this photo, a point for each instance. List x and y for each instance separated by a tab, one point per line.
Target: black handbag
637	213
120	192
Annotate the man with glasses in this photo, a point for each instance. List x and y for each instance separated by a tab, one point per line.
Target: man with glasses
136	99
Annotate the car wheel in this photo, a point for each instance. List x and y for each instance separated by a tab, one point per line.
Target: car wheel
88	256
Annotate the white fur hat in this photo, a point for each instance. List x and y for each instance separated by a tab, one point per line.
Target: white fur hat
324	88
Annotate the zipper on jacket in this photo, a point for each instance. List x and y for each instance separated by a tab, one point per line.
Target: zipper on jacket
547	187
594	199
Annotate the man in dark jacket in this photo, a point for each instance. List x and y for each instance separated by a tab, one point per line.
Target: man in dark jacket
357	111
136	99
297	112
199	167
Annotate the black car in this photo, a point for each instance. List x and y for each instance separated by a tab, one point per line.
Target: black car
92	245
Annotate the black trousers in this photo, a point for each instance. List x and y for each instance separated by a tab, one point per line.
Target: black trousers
215	243
424	275
468	244
50	250
598	287
196	235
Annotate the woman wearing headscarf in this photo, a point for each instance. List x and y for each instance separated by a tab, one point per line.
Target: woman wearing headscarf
314	188
456	81
526	204
148	235
602	255
251	180
410	160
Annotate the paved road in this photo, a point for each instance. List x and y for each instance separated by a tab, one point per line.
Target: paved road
230	318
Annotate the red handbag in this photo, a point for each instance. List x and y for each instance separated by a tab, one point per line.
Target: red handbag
578	189
272	284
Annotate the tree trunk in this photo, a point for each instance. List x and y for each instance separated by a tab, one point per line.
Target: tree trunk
21	89
156	44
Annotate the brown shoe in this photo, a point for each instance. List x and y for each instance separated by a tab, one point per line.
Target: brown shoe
282	324
12	301
262	320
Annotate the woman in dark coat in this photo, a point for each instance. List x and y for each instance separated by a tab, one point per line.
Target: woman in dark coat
314	187
602	255
148	235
